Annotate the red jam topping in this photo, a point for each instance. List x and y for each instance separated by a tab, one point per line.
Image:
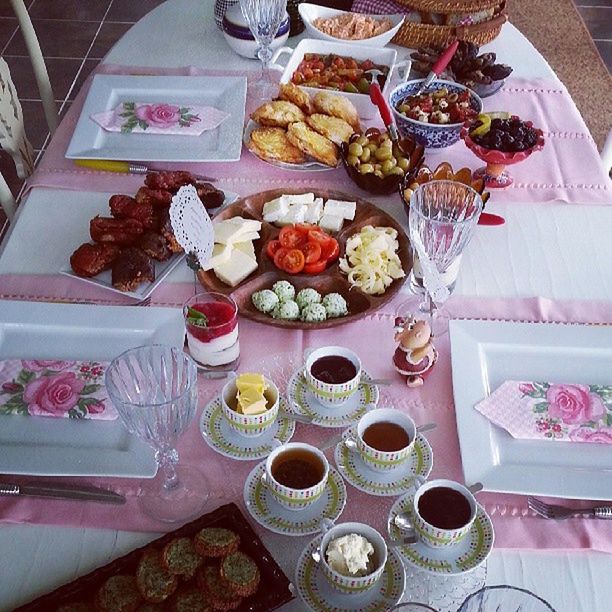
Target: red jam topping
221	317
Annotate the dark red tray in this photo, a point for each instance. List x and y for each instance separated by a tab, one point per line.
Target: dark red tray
273	588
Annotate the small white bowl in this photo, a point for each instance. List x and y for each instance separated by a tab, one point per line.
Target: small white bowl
241	40
310	12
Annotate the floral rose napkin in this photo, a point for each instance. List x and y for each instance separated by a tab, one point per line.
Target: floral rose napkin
55	388
551	411
164	118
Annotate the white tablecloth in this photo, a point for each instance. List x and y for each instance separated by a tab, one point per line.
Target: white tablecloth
556	251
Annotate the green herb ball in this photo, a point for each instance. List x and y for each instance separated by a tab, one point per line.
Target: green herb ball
335	305
308	296
284	290
288	310
313	313
265	300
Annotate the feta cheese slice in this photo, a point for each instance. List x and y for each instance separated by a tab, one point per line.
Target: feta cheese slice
221	254
331	223
275	209
246	225
246	247
234	271
314	210
295	214
299	198
341	208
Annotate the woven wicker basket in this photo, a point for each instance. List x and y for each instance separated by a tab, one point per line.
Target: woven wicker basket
415	35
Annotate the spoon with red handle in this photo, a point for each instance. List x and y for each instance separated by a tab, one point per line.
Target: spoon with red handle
490	219
438	68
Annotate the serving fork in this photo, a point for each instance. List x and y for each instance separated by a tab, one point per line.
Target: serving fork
551	511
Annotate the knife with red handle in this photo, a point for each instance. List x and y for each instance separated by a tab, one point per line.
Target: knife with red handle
438	68
378	100
490	219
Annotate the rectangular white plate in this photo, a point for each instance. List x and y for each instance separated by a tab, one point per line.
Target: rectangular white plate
66	447
487	353
224	143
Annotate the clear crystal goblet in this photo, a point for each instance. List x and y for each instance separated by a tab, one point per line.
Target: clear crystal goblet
154	389
441	220
264	18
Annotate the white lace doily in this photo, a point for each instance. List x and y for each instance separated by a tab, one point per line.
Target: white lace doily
192	226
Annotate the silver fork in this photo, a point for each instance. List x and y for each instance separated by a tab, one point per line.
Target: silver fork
551	511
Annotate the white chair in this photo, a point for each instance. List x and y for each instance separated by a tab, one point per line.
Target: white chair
12	130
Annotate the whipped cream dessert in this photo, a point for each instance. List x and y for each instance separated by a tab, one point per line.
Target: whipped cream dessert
215	342
351	555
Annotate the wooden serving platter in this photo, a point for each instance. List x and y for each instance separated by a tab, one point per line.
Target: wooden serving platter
274	587
331	280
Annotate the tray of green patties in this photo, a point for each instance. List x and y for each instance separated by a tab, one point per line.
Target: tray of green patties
216	562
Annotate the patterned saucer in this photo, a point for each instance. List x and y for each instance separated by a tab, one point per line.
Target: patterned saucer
389	484
271	515
304	402
221	437
453	560
319	595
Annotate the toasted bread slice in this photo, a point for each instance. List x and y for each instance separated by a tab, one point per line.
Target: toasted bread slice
273	144
180	558
217	593
77	606
118	594
299	97
240	573
278	113
189	599
216	542
154	582
313	144
337	106
335	129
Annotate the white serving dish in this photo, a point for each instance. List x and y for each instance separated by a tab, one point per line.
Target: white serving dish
398	71
239	37
46	446
224	143
487	353
310	12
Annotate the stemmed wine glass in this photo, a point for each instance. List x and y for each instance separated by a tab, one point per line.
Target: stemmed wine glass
441	219
154	389
264	18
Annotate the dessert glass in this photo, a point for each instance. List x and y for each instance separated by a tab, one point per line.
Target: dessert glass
214	346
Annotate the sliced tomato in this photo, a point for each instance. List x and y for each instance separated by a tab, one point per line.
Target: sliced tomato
291	238
312	252
318	236
272	247
330	251
293	262
279	256
304	228
315	268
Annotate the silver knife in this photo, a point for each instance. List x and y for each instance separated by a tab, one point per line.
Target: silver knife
61	491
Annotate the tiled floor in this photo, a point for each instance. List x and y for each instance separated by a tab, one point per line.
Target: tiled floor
76	34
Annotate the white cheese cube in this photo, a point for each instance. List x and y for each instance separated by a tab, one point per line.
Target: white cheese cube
231	230
275	209
246	225
234	271
300	198
225	237
220	254
246	247
341	208
295	214
314	211
331	223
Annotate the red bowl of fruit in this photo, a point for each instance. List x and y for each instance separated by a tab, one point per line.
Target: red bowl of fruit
500	140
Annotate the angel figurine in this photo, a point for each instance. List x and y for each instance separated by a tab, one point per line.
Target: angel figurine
415	354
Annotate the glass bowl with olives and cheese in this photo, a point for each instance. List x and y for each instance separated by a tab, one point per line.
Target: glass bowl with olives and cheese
377	164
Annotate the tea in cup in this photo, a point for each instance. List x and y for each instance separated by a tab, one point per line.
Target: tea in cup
296	475
385	438
352	557
332	374
443	512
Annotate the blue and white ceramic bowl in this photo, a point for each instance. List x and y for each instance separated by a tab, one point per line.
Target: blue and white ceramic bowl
240	38
430	135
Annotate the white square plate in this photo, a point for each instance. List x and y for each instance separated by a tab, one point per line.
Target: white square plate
66	447
487	353
224	143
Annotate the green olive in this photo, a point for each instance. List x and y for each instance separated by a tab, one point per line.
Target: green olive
362	140
383	153
388	165
403	163
441	93
365	156
397	170
397	152
453	97
404	108
353	160
355	149
378	173
366	168
372	146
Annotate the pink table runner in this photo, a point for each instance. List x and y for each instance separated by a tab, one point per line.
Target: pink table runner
567	169
515	525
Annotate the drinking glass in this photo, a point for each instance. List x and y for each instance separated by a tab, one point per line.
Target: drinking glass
264	18
154	389
441	219
504	598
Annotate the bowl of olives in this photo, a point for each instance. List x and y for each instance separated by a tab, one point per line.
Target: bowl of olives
500	140
376	163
